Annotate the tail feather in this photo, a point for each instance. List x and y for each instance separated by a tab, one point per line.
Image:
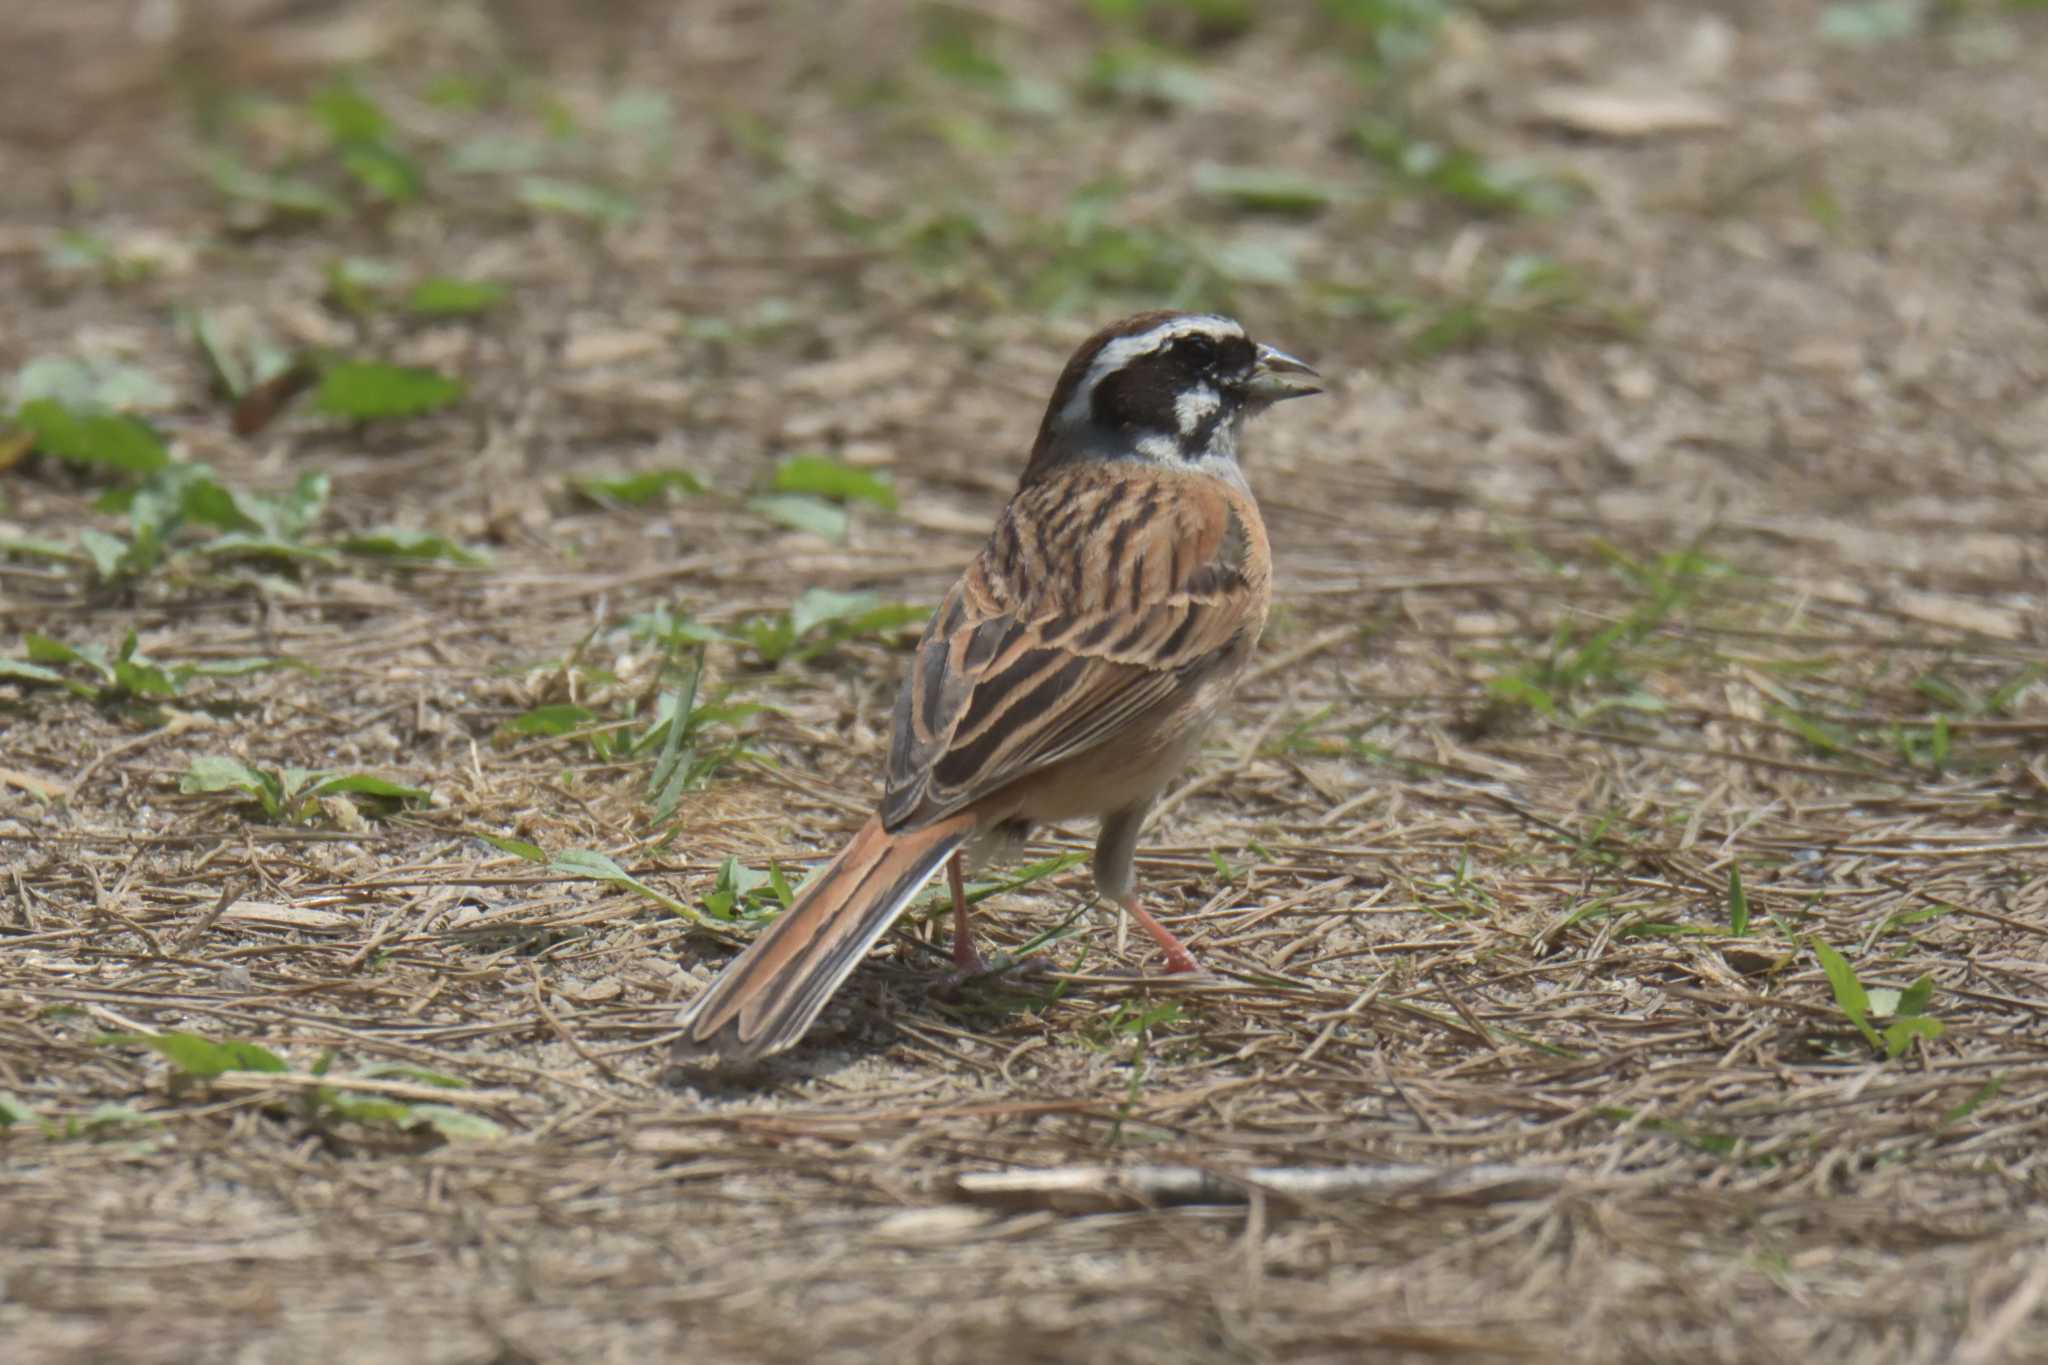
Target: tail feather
767	996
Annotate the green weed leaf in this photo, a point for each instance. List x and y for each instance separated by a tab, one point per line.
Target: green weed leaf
102	1119
1515	688
1900	1033
556	719
406	1071
193	1055
457	1125
93	438
1264	191
1848	991
571	199
803	512
817	606
88	387
109	555
1458	173
348	114
384	171
21	670
824	477
637	490
584	862
1143	76
281	194
363	784
215	773
394	542
738	889
45	650
444	297
518	848
13	1111
1738	902
368	390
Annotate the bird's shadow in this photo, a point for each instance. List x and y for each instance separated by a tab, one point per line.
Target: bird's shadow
858	1026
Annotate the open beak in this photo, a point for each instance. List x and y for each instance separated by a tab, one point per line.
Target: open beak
1278	375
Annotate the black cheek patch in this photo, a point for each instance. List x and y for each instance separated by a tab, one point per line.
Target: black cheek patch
1138	397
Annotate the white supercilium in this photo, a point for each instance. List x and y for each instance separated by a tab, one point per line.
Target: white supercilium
1122	351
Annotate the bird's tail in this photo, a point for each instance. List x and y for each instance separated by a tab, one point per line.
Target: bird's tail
767	996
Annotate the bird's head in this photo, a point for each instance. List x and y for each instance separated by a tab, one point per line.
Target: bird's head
1172	388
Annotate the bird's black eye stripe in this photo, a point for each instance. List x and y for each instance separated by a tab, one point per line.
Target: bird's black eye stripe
1197	347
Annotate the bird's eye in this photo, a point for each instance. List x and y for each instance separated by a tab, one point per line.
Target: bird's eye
1197	348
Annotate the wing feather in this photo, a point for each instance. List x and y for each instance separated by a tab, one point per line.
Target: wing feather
1096	600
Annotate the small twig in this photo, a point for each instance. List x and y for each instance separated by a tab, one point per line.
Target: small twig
1092	1189
28	905
1464	1012
104	903
1365	998
1988	1342
120	1022
228	896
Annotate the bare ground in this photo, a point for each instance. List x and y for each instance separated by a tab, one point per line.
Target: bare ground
1723	551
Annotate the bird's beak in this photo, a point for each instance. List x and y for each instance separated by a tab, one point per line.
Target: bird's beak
1278	375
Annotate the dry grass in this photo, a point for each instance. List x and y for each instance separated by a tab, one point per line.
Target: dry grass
1665	583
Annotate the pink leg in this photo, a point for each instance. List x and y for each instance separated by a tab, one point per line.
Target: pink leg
1178	958
966	960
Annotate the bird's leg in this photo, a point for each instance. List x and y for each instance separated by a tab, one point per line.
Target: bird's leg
966	960
1116	848
1178	958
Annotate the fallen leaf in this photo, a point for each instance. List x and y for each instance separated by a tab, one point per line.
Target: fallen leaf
33	785
1628	113
259	407
587	350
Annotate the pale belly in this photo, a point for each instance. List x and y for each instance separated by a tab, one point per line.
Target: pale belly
1127	770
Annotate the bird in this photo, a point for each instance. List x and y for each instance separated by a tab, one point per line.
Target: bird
1070	672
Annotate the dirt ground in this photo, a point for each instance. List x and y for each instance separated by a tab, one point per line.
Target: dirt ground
1661	611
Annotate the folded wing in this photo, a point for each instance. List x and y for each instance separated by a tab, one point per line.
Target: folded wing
1095	601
